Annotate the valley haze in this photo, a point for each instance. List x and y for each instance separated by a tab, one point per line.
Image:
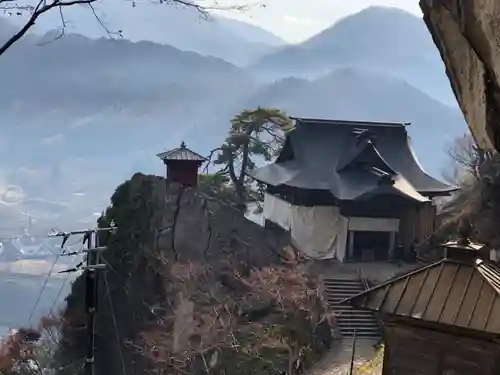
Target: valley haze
83	113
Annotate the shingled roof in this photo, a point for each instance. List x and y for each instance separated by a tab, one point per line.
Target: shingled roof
450	292
351	159
181	153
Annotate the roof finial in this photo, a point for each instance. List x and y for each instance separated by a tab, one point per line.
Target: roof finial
464	230
183	145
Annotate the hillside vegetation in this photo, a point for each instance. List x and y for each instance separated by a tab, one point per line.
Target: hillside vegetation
183	305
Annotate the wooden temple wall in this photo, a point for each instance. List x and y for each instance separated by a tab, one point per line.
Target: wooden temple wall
417	224
423	351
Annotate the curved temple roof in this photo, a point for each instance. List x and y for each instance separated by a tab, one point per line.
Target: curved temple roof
181	153
351	159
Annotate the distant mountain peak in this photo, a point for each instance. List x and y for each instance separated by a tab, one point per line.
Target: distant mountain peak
381	10
251	33
392	26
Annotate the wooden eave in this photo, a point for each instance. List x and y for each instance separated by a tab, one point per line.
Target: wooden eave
447	293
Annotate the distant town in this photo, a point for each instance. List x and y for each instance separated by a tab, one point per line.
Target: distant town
27	246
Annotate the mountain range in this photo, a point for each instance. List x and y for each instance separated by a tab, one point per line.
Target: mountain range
168	23
383	40
82	113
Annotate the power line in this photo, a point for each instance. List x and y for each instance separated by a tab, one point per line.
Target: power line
55	233
117	334
43	287
62	286
13	238
65	235
45	283
47	280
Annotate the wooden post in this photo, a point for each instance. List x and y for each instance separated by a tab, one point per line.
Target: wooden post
392	244
90	294
350	250
353	354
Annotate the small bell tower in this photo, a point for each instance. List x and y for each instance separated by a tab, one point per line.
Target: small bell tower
182	165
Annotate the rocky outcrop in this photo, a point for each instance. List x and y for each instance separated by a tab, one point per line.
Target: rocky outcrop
467	34
194	287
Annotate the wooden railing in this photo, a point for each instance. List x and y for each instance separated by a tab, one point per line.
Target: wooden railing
367	285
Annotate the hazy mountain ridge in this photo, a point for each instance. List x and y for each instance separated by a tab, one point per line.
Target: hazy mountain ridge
81	115
354	94
78	103
384	40
179	26
85	106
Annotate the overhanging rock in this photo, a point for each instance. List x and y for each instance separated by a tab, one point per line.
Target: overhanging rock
467	34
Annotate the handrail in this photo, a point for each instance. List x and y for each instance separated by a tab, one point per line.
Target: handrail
367	285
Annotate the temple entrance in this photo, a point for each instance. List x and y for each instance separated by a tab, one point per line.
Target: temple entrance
370	245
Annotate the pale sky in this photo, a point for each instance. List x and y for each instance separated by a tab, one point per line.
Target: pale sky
296	20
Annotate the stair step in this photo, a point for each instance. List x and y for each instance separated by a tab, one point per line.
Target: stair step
340	310
339	298
342	282
353	322
356	319
346	286
343	292
361	333
349	309
347	282
351	325
349	318
361	336
360	330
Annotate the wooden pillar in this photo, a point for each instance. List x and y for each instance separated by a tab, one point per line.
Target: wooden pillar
350	241
392	244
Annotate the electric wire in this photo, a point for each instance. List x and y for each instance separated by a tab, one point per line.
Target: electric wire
63	285
44	285
117	334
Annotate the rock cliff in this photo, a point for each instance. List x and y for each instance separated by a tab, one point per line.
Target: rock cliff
467	34
194	287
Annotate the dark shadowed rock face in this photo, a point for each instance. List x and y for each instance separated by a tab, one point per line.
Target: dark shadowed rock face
467	34
195	227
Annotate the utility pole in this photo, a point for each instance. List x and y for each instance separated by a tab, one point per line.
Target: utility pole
91	238
91	296
90	304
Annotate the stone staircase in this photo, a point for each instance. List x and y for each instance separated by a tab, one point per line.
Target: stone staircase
350	319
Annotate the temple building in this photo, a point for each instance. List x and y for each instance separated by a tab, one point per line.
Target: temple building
443	318
350	190
182	165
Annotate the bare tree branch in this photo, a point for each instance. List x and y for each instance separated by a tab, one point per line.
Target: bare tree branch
41	8
62	30
44	6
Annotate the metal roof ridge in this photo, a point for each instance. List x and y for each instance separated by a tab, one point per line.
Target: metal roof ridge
393	280
478	265
168	153
352	122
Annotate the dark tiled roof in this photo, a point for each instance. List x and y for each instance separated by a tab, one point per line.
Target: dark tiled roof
350	122
181	153
334	155
461	294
